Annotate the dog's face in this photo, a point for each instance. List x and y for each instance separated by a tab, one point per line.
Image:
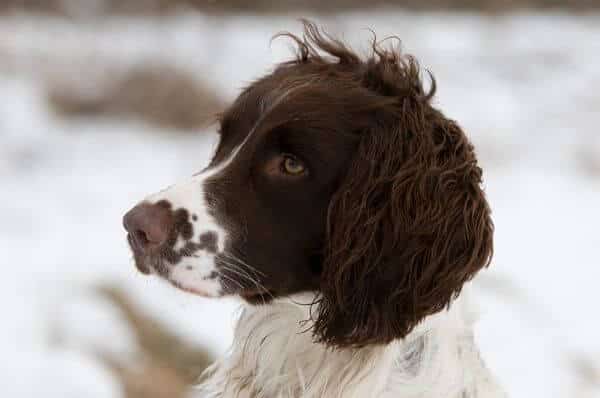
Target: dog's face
253	222
334	176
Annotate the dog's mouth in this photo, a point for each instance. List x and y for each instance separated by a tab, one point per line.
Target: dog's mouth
155	265
187	289
155	262
149	262
257	297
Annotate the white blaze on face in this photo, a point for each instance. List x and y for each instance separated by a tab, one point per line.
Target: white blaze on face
197	272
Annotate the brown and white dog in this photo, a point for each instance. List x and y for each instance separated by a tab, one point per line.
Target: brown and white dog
347	212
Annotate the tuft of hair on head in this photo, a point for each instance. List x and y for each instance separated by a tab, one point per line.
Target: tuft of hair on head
409	223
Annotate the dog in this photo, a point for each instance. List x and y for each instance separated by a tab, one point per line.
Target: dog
347	213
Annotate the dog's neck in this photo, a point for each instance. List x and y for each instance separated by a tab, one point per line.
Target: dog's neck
274	356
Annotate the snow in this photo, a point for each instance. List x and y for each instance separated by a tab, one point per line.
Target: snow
523	86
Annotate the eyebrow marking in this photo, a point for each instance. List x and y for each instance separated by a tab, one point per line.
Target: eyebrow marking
218	169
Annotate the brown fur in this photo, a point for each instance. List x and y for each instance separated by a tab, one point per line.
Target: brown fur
388	221
409	224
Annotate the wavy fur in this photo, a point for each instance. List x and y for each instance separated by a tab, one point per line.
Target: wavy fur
410	223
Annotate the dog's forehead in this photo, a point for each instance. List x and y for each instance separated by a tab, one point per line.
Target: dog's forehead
294	100
262	96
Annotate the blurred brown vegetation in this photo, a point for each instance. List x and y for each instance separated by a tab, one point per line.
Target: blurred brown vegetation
164	7
588	159
167	365
160	95
586	372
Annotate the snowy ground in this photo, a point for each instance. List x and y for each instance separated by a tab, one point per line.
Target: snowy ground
525	87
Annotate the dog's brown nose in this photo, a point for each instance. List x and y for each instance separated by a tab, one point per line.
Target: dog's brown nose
148	225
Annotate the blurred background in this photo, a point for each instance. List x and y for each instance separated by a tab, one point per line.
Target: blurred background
105	101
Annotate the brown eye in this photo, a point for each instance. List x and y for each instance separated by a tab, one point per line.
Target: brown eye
293	166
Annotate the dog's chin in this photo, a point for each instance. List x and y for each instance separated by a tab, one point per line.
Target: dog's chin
257	298
150	265
142	264
250	297
158	266
192	290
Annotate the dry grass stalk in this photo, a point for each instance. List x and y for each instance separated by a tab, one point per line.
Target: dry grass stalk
151	380
588	158
167	366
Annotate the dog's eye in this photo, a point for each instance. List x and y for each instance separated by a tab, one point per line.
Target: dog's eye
292	165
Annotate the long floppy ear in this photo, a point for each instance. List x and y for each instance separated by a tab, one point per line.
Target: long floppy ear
407	228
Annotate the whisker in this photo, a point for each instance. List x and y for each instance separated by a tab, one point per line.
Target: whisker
238	259
232	268
256	272
231	280
237	270
259	287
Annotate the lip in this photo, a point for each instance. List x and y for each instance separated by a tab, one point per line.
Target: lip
139	259
186	289
133	244
149	264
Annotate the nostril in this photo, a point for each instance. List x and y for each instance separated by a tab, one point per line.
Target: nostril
140	238
148	225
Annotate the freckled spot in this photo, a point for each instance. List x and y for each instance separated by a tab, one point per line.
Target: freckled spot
208	242
187	231
161	268
182	224
189	267
194	217
212	275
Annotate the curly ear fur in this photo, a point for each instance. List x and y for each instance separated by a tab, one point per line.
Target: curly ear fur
409	224
407	228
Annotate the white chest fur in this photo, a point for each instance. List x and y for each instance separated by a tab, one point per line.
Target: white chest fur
274	357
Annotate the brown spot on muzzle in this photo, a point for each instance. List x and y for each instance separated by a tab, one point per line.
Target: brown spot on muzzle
182	224
153	231
208	242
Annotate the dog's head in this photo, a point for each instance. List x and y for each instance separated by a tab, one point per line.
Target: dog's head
336	175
